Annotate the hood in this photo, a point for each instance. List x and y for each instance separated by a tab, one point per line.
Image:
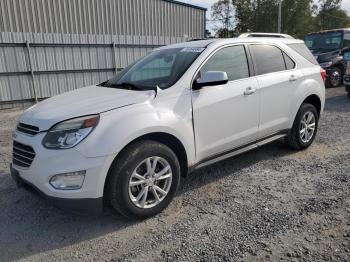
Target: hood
322	56
84	101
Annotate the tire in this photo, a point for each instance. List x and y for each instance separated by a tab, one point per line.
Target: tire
335	78
296	139
349	95
125	171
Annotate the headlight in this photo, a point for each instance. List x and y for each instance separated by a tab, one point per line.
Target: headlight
69	133
326	64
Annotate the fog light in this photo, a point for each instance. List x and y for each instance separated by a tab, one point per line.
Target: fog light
68	181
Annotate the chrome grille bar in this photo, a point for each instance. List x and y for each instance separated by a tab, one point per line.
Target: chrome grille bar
22	155
27	129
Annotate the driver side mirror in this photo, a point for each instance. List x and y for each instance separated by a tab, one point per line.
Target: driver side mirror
210	78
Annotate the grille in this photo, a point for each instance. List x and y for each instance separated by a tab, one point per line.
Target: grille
27	129
22	155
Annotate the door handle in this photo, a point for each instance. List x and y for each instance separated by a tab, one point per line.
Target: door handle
293	78
249	91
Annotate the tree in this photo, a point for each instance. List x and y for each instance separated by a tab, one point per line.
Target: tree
330	15
207	33
299	17
222	12
243	15
224	33
256	15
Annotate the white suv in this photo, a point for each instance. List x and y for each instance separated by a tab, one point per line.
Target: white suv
128	141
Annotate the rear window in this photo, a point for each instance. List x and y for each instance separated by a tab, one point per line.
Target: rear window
268	59
302	50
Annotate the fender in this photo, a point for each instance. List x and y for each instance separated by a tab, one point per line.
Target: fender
306	88
119	127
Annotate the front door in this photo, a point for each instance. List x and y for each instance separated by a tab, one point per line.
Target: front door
226	116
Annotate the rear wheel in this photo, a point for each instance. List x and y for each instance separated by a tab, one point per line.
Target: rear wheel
143	180
304	127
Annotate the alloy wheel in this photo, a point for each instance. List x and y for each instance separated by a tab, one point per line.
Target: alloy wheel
150	182
307	127
335	78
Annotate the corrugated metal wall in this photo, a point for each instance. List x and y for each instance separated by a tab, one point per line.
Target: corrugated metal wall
61	62
75	43
115	17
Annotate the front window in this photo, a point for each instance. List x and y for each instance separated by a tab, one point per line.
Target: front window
161	68
232	60
324	41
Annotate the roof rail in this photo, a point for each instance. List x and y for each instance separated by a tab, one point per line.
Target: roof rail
276	35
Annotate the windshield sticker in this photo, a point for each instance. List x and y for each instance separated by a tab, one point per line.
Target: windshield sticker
193	49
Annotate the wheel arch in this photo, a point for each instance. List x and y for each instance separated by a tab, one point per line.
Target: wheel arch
315	101
173	143
167	139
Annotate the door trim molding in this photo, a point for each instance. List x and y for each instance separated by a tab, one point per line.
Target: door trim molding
238	150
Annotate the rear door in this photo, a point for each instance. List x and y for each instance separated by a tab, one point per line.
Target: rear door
278	77
226	116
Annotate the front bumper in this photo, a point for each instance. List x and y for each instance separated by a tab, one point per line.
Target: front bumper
90	205
48	163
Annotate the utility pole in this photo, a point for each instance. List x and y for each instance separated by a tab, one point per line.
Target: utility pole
279	15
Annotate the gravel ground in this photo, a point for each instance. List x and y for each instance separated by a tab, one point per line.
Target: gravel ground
270	204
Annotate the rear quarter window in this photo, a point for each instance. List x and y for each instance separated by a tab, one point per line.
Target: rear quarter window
289	62
302	50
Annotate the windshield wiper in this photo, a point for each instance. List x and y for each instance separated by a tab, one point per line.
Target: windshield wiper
126	85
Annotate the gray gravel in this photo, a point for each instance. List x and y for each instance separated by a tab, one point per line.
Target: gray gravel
266	205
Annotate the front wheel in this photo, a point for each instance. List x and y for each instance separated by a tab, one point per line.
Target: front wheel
304	127
335	78
143	180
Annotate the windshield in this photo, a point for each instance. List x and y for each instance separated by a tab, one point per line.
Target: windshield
161	68
324	41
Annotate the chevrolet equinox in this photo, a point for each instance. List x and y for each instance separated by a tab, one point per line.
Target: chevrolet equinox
128	141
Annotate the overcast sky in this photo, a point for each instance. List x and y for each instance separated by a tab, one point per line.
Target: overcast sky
208	3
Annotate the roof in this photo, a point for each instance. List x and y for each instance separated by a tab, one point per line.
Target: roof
329	31
222	41
186	4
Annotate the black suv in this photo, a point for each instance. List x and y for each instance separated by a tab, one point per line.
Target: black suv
327	47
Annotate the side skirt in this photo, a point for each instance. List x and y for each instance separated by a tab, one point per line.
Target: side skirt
239	150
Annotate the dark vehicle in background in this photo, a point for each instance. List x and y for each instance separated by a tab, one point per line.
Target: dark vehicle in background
327	47
346	79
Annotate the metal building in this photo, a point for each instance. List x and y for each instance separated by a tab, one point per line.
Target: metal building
52	46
